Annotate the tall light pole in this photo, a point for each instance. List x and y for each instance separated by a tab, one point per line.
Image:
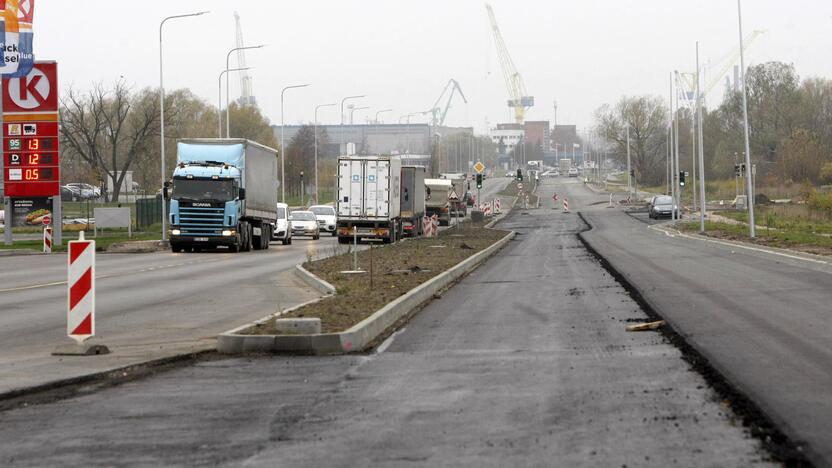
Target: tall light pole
219	98
283	145
342	120
227	93
162	118
629	169
316	147
752	231
379	112
407	132
353	109
673	172
701	149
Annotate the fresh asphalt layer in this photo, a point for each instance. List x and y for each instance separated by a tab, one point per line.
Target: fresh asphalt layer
762	320
525	362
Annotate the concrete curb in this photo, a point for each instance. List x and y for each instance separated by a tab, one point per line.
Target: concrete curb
313	281
18	252
359	336
145	246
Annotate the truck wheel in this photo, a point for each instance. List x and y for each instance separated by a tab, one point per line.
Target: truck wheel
245	244
334	233
343	240
257	240
175	248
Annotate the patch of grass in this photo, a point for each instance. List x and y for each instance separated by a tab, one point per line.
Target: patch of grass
101	242
788	239
357	299
772	218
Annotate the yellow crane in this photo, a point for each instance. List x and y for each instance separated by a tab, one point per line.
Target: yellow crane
514	81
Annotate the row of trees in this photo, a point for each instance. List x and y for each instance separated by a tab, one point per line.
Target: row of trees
790	130
109	130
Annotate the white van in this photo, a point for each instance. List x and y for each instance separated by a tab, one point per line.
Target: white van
283	227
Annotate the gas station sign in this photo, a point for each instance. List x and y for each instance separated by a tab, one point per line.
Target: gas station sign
31	157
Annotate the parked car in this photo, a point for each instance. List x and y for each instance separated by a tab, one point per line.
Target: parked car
304	223
327	218
662	206
573	172
69	193
86	191
283	227
554	173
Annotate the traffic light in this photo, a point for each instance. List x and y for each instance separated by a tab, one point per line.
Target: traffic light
632	172
479	181
681	178
519	175
737	170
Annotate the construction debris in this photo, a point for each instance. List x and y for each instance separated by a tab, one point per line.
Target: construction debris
645	326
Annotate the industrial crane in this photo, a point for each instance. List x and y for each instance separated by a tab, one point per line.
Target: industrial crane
246	91
514	81
438	113
687	81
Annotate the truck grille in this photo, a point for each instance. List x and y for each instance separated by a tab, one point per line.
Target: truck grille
199	221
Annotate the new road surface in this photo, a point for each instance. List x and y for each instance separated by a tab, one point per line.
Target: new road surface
526	362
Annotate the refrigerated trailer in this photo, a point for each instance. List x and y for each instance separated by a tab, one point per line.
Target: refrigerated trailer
413	200
369	198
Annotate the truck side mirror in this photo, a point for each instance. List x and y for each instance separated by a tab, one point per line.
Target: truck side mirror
427	193
166	190
242	194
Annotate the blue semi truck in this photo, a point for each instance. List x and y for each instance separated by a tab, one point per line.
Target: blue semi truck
223	193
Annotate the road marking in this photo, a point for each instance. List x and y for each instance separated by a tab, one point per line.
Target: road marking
738	245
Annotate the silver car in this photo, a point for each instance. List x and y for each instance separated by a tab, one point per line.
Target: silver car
662	206
304	223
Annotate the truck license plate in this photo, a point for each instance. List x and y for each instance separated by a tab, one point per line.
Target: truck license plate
201	239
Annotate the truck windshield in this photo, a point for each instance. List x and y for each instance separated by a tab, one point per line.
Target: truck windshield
203	189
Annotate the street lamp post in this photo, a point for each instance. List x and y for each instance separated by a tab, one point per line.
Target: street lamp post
162	118
353	109
379	112
316	147
227	93
219	97
283	145
629	169
752	230
342	119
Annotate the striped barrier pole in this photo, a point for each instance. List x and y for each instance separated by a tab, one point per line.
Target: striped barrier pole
565	205
80	323
47	239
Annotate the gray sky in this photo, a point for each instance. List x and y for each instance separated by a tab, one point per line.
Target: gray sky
401	53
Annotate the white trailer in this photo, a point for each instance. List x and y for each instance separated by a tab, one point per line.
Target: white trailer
369	198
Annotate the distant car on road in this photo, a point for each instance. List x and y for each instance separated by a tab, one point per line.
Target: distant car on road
327	218
573	172
509	174
304	223
283	227
662	206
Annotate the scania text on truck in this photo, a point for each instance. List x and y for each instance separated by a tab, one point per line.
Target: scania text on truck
413	200
437	202
369	198
224	193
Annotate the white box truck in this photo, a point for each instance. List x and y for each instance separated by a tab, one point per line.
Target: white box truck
413	200
369	198
437	202
564	165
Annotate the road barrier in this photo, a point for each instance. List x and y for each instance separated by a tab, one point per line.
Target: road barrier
47	239
80	323
497	208
565	205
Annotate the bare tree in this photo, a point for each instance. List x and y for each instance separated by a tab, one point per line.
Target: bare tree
647	119
109	129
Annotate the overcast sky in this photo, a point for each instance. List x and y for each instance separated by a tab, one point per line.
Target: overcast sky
402	53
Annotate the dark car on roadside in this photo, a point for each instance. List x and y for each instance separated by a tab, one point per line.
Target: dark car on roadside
662	207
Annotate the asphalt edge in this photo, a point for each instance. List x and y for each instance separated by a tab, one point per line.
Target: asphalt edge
68	388
358	337
780	446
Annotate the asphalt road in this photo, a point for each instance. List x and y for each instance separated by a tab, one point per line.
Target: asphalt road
147	305
762	320
524	363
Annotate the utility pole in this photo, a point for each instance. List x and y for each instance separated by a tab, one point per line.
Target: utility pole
701	149
629	168
673	171
752	232
676	157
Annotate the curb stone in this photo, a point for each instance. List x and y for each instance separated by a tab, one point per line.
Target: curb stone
359	336
314	281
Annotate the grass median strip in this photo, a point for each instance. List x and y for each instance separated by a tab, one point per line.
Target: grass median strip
396	269
801	241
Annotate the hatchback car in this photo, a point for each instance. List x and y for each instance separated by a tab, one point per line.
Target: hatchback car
662	206
304	223
573	172
283	227
327	218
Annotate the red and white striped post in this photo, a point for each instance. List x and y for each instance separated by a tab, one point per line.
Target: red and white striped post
47	239
80	323
565	205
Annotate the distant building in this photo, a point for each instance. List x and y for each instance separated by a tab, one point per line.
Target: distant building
369	139
537	132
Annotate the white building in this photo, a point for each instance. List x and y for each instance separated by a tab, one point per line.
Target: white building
509	137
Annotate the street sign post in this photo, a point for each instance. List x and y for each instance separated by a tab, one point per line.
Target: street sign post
31	156
479	167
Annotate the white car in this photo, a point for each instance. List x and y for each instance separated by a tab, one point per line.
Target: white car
573	172
283	227
304	223
327	218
